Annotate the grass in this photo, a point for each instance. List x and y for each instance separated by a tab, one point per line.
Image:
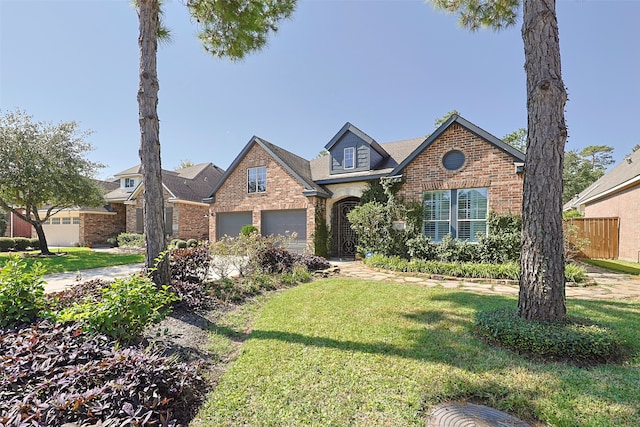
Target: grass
78	259
346	352
616	265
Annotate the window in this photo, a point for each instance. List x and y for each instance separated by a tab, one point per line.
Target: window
76	220
437	208
462	213
349	162
66	221
257	180
129	182
453	160
55	221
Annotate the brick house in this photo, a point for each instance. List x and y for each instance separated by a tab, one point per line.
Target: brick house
185	212
460	173
616	194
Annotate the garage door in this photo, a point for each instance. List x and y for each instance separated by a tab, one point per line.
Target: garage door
62	233
230	223
286	222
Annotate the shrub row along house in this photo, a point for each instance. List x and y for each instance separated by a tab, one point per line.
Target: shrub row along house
460	172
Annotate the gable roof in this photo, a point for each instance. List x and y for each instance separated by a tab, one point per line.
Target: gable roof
190	184
515	153
623	175
295	165
348	127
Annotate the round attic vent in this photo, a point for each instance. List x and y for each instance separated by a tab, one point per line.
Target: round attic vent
453	160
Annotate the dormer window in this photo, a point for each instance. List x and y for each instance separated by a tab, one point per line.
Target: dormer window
129	182
349	158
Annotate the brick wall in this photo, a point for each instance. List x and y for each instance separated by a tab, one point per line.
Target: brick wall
97	228
139	203
193	221
624	205
486	166
283	192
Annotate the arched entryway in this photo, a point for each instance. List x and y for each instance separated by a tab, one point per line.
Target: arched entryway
344	238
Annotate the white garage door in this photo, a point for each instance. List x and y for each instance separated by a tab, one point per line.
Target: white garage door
62	234
286	222
230	223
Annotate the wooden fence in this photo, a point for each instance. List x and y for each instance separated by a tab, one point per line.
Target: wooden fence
602	234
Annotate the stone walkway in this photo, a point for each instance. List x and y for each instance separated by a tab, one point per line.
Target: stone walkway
602	284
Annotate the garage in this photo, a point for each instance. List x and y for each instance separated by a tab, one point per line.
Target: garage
62	231
230	223
285	222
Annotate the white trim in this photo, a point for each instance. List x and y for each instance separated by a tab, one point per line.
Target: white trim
353	158
612	190
186	202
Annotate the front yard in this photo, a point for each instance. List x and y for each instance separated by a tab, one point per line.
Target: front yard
74	259
353	352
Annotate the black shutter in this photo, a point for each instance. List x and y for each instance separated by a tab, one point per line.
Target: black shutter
139	221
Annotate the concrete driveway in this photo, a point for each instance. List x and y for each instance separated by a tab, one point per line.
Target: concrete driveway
60	281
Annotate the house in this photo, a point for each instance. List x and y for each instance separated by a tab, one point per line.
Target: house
16	226
186	215
616	194
460	173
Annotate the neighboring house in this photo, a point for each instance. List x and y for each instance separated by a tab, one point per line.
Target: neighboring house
460	173
616	194
84	225
186	216
16	226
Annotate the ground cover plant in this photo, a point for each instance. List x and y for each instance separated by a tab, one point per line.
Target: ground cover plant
74	259
361	353
507	270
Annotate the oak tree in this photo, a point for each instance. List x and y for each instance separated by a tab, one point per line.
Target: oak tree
43	169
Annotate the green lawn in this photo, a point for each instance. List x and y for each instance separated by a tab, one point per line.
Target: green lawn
74	259
346	352
615	265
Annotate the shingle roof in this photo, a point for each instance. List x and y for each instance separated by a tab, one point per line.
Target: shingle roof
623	175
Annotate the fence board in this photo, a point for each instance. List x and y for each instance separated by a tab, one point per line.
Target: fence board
602	233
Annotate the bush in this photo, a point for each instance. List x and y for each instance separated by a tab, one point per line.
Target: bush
7	244
34	243
321	236
126	308
454	250
276	260
248	230
181	244
21	292
112	241
192	243
67	376
313	262
421	247
131	240
574	273
189	272
21	243
575	341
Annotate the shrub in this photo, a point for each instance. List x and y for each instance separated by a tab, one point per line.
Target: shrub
21	243
192	243
575	273
7	244
67	376
454	250
421	247
370	222
248	230
276	260
126	308
181	244
131	240
299	274
21	292
575	341
112	241
321	236
34	243
189	271
90	290
313	262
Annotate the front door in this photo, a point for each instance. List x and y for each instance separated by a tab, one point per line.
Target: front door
344	238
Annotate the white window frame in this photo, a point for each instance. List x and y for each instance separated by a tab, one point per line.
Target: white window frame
257	180
55	221
76	220
66	220
129	183
352	155
458	214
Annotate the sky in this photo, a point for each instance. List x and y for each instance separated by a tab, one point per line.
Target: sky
390	67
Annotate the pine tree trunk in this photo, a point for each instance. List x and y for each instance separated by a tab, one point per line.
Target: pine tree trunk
153	209
542	287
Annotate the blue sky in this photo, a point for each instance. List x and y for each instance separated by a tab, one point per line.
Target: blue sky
389	67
